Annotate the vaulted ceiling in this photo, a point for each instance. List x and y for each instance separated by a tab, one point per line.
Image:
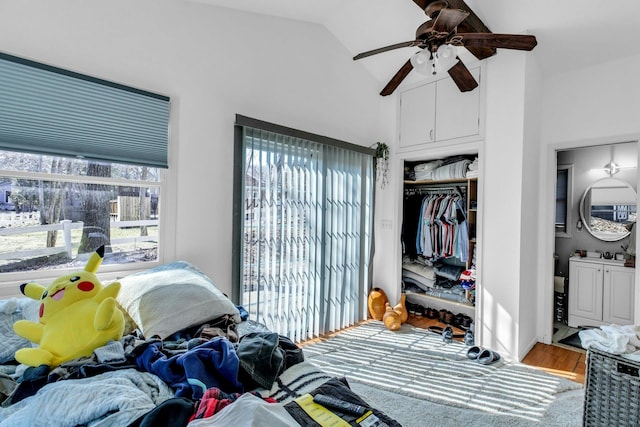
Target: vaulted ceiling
571	34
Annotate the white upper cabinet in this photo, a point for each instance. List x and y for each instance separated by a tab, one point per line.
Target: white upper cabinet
417	116
438	111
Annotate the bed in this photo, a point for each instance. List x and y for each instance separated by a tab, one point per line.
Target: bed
188	356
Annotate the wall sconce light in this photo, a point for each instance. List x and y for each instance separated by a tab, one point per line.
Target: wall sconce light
612	168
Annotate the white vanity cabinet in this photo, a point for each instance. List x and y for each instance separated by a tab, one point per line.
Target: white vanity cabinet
601	292
438	111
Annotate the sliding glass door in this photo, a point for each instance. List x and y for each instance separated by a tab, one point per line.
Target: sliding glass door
303	218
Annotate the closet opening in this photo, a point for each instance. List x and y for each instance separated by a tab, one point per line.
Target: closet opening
440	205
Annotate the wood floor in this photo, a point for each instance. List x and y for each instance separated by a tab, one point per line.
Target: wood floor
556	360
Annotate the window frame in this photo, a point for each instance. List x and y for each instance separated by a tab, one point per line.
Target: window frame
9	281
569	202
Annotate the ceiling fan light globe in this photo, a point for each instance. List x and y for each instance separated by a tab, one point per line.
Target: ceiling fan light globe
447	52
445	58
420	57
421	61
425	69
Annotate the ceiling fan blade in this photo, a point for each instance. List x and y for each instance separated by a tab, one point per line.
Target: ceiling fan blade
472	24
472	20
397	79
462	77
448	19
493	40
422	4
387	48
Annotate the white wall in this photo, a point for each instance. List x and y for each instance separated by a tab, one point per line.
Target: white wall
595	102
502	183
213	63
530	265
592	106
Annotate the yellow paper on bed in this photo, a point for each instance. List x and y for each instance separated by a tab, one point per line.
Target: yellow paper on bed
319	413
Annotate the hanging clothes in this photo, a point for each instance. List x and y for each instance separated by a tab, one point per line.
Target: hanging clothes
442	230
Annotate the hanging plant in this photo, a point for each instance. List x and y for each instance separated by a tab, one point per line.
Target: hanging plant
382	163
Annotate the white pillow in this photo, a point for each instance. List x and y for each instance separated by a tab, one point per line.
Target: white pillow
166	299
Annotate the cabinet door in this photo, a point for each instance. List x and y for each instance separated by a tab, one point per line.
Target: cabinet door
457	113
585	290
417	116
618	295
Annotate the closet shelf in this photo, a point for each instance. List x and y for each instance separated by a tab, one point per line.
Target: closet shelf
440	303
441	181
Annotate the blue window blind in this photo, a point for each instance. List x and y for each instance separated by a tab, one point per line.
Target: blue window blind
48	110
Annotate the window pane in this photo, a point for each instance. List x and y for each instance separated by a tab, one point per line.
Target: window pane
25	162
48	223
562	183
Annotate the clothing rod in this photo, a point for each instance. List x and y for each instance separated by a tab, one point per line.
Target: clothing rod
435	189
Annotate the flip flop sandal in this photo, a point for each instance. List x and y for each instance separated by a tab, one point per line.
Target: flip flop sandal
488	357
474	352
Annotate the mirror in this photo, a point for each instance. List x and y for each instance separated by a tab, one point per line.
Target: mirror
607	207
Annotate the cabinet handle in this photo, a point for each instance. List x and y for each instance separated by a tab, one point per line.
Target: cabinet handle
431	135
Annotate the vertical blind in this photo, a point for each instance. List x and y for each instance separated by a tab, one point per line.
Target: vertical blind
306	224
48	110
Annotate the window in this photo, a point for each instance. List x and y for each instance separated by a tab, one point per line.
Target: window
81	160
61	208
302	227
564	200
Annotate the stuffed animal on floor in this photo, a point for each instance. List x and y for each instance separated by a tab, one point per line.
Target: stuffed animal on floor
77	315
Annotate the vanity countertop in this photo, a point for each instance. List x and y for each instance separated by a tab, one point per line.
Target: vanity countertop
597	260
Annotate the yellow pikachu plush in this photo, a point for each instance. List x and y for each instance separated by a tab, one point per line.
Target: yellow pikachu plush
77	315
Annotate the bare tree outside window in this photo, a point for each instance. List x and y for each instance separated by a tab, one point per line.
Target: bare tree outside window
55	208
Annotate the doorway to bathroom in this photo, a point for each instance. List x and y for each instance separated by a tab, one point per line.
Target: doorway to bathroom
594	247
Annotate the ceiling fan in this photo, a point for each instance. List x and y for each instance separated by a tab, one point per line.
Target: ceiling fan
452	23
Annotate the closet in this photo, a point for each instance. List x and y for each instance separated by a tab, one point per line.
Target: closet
439	234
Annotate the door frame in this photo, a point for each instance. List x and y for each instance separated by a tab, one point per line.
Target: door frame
547	226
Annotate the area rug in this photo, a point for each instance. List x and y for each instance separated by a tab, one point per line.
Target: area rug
416	367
